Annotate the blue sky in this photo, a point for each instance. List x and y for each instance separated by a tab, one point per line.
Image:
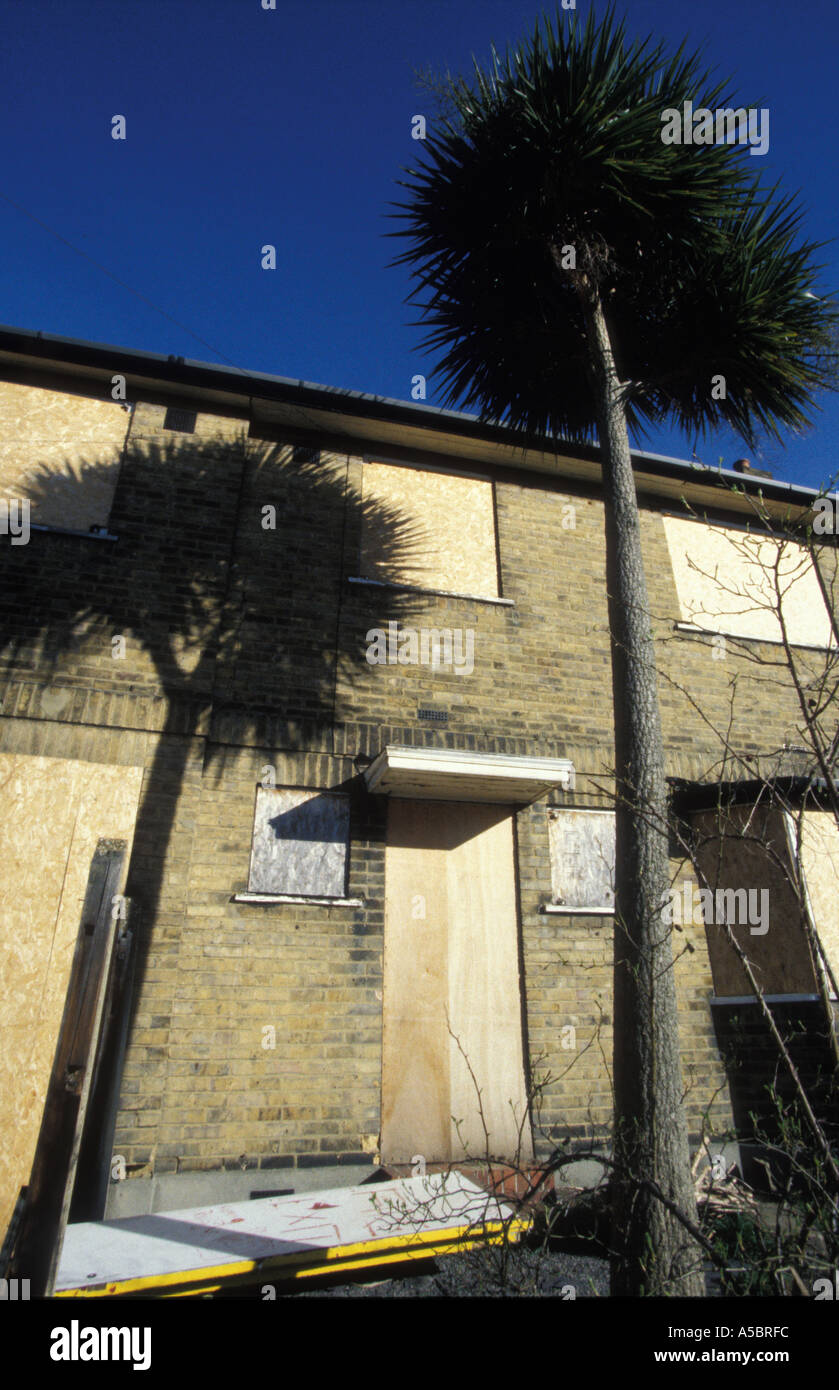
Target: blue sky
246	127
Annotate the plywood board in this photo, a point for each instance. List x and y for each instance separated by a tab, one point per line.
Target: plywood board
52	813
299	843
485	1003
820	865
750	857
51	1183
582	845
415	1074
725	583
452	990
62	452
280	1237
447	522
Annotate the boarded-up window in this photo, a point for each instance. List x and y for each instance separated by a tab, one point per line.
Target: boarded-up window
583	859
442	527
61	453
820	864
742	857
300	843
736	582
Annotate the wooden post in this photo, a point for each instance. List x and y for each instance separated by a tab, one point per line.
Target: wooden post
90	1191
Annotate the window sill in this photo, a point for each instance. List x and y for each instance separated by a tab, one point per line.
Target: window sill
739	637
556	908
767	998
260	898
442	593
102	535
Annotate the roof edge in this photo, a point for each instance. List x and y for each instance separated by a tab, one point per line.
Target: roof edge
189	372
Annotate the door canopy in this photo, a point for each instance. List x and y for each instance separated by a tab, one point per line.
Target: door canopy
451	774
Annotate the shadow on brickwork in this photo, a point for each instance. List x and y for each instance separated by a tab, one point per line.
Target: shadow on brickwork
228	611
763	1099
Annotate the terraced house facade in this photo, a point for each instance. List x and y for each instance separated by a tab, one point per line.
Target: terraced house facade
307	741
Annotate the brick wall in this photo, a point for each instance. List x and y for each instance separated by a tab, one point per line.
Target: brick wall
244	646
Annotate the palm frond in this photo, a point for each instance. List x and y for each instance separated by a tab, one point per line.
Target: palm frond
557	143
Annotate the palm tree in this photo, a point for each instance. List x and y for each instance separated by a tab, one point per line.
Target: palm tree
583	278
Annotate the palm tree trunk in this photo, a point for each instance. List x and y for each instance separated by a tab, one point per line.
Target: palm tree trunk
653	1253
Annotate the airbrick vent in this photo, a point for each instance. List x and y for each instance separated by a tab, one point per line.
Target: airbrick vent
183	420
303	453
439	716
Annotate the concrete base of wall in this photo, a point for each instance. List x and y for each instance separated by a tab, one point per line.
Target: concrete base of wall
732	1152
586	1172
178	1191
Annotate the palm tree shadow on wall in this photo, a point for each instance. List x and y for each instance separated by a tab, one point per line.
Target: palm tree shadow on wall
233	617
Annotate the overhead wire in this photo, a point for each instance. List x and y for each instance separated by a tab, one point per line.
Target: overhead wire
123	283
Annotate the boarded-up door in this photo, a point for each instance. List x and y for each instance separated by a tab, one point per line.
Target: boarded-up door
452	990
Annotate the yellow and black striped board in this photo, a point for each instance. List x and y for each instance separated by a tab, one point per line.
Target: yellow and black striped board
208	1249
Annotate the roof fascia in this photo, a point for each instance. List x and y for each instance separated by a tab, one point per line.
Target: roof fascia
370	422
